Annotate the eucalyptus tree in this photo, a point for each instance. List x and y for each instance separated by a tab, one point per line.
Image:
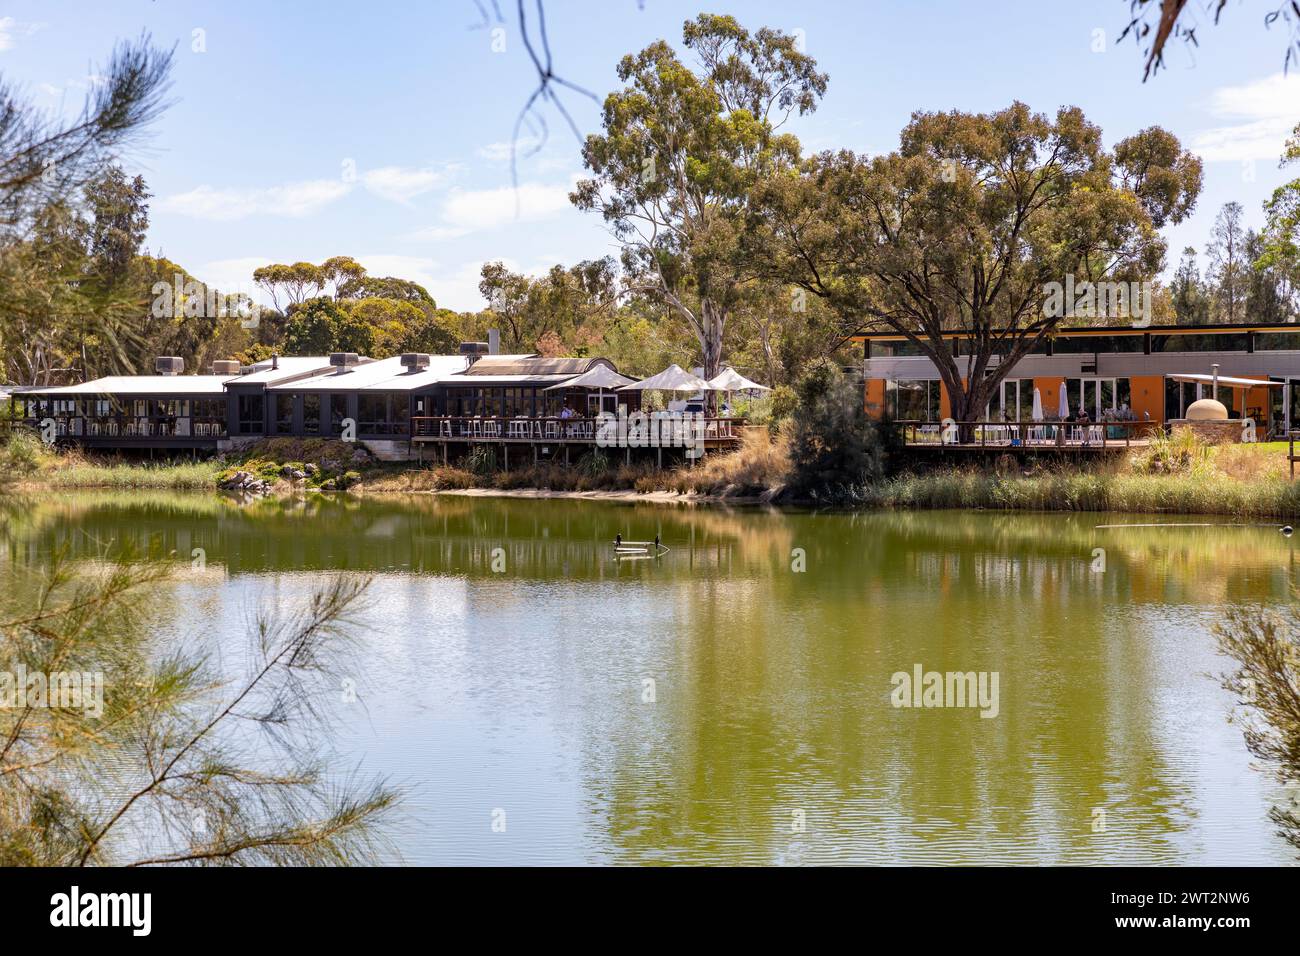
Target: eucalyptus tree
47	164
971	225
1280	241
560	310
677	169
1228	263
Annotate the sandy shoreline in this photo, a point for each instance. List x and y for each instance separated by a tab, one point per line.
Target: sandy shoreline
627	494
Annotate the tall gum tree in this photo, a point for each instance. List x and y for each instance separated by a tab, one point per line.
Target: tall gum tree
966	224
677	168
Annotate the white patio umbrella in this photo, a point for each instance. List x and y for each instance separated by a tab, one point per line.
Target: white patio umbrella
729	380
1063	410
672	379
599	377
1037	413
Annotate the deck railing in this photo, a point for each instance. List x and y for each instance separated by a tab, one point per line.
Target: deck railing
993	434
575	429
135	427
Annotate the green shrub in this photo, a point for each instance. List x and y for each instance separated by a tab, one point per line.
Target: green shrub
594	464
834	445
481	460
21	454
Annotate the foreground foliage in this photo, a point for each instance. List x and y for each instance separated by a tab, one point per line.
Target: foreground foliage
1265	647
164	772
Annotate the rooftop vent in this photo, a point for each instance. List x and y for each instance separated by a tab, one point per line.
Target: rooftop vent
344	360
169	365
225	367
415	360
473	351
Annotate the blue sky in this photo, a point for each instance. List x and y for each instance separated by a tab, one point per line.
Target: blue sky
380	130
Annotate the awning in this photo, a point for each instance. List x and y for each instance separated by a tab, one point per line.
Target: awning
672	379
599	376
729	380
1199	379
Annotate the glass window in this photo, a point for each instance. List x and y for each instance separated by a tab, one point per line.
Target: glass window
338	410
372	413
284	414
1088	344
913	401
1200	342
251	410
1275	341
311	413
896	348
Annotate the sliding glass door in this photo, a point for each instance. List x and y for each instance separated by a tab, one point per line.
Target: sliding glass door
1096	396
1014	401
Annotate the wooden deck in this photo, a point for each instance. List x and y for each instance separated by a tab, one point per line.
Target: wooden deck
658	433
1026	438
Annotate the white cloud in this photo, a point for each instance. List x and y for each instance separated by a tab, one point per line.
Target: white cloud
402	183
452	287
9	27
234	275
475	210
1263	113
500	152
224	205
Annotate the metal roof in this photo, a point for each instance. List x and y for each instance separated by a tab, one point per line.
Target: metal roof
288	366
1200	378
885	335
534	365
384	375
152	385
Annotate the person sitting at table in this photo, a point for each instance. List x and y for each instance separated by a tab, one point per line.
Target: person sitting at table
566	411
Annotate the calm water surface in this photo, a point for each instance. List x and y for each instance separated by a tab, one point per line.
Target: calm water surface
770	737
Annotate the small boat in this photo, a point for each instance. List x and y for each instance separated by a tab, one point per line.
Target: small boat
629	549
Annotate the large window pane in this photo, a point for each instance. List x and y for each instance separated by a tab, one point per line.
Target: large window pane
284	414
311	414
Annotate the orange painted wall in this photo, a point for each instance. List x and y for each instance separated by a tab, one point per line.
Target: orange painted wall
1253	402
1049	390
1147	395
875	397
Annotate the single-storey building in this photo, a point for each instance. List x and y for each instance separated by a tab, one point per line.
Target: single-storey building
387	404
1143	374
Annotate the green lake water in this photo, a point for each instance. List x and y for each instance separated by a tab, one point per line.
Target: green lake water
730	701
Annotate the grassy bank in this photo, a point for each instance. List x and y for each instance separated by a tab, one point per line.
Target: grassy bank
1173	476
26	463
759	467
1064	491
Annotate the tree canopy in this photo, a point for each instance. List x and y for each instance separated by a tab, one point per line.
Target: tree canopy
683	151
966	224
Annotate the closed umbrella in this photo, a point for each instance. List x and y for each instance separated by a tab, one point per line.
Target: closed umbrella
1063	411
1037	413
